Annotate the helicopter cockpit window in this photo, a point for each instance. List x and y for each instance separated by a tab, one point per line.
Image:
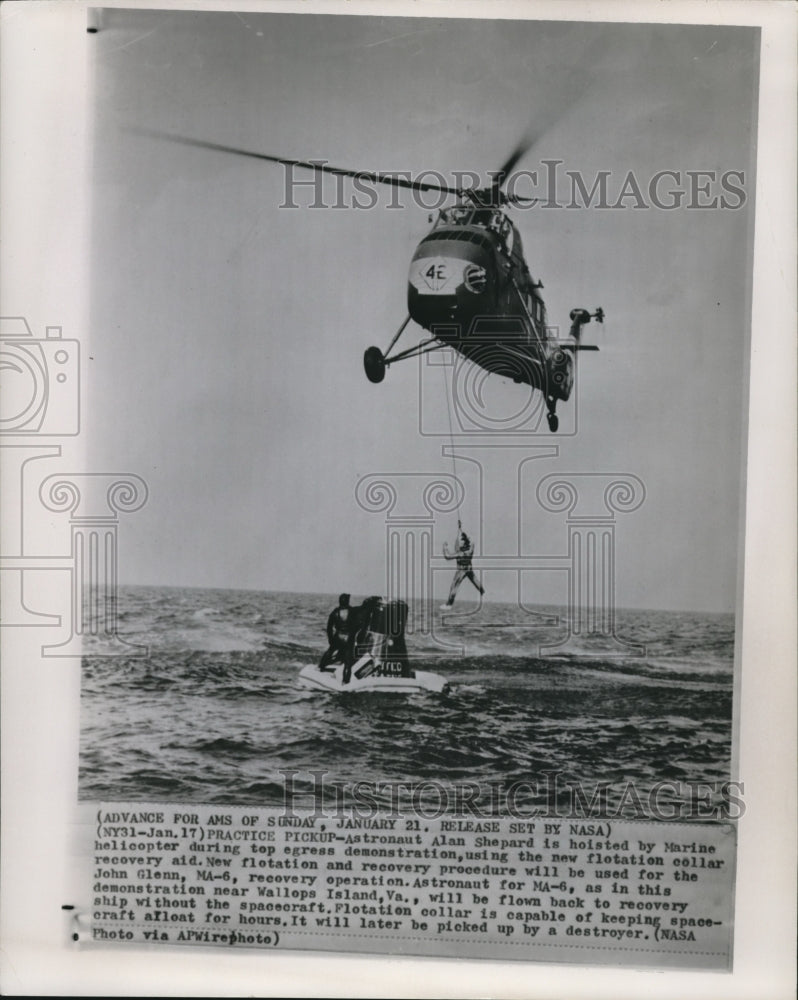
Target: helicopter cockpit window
480	240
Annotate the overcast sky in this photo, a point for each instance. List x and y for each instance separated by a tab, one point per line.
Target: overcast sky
227	333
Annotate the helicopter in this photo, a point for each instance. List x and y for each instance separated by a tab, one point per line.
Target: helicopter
469	285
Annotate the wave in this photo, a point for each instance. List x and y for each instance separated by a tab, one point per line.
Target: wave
215	714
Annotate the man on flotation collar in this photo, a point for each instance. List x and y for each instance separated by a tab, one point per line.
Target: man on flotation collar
339	633
359	636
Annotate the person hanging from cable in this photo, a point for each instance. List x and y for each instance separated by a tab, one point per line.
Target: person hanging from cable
463	552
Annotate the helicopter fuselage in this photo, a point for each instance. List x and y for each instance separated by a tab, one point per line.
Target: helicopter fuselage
469	285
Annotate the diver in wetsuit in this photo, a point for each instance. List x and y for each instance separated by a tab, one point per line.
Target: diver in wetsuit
339	634
463	551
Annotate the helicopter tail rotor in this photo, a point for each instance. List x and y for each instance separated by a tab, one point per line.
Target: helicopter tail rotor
579	317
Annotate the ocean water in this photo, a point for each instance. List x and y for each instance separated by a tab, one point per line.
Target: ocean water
214	713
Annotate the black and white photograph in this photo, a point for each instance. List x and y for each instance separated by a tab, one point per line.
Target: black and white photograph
532	492
408	537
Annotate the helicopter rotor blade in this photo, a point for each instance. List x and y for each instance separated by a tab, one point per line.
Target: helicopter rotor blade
523	147
500	175
319	166
517	199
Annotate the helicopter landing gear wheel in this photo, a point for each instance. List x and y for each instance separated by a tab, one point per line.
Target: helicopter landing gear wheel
554	422
374	364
